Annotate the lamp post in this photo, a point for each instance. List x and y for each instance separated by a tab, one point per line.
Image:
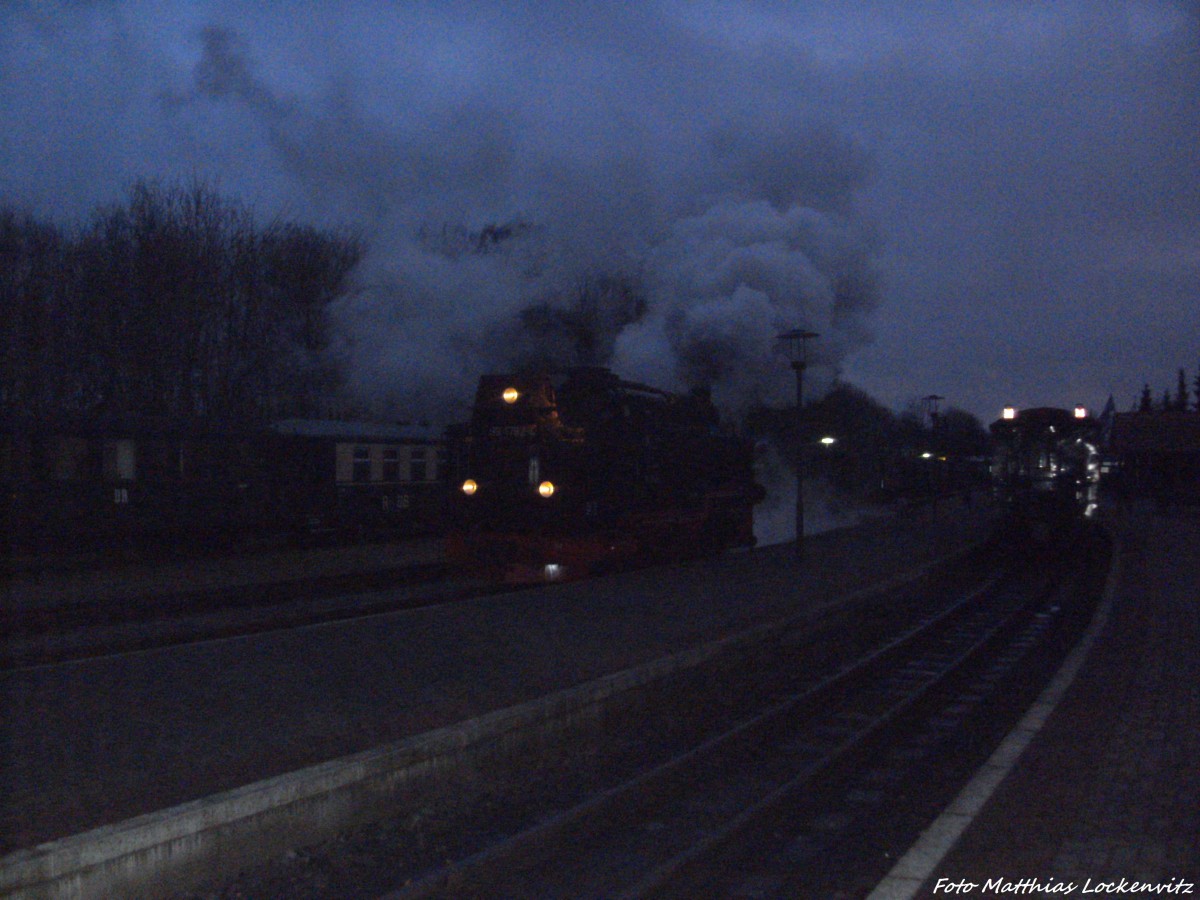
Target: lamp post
935	421
931	404
795	343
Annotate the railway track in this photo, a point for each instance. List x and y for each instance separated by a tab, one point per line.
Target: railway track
668	831
720	819
831	746
86	629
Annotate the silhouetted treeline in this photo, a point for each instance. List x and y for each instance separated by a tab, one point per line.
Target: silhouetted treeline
1178	402
173	304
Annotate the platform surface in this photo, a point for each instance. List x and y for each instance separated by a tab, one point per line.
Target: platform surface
1106	797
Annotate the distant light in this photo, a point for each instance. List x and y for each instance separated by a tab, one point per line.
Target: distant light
1081	412
926	455
469	487
828	441
511	395
1010	412
552	571
546	488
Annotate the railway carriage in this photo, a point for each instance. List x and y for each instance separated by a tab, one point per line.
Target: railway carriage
119	484
354	477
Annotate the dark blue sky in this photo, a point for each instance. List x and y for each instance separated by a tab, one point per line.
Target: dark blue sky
998	203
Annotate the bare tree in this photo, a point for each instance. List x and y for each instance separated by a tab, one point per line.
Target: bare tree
174	304
31	291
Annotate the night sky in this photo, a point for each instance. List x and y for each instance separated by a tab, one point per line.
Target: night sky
995	202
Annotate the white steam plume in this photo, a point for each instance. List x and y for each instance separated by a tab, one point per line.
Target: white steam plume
491	242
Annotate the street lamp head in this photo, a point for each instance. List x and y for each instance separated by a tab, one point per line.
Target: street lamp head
795	345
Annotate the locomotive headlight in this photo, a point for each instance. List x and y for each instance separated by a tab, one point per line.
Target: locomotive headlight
546	488
469	487
511	395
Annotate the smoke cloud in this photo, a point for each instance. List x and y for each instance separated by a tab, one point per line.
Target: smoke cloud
675	264
665	186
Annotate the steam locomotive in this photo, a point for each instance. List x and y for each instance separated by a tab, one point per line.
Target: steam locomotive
1046	468
561	475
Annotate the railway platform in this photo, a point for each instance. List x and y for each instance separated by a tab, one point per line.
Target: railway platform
97	742
1097	792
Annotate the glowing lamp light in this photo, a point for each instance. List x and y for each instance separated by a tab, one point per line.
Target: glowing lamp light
546	488
828	441
469	487
1010	412
1081	412
926	455
510	395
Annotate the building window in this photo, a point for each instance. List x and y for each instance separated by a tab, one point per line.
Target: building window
391	463
120	460
418	465
362	464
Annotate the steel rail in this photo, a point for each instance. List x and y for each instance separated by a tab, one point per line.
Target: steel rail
232	613
665	880
515	852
